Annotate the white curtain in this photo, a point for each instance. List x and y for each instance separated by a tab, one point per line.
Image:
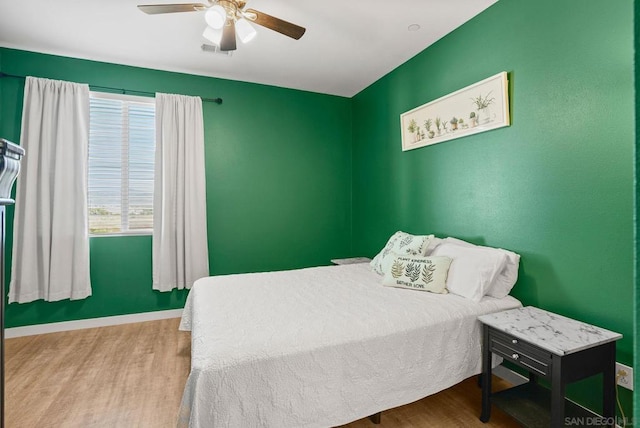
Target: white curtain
50	231
180	253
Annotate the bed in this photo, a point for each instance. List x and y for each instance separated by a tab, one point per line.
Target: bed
321	347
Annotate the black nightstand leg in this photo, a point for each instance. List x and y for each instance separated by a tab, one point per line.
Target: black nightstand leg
557	394
486	375
609	384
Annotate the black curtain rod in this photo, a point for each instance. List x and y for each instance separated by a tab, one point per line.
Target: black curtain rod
123	91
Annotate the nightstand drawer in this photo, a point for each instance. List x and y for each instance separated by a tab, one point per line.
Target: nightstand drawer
520	353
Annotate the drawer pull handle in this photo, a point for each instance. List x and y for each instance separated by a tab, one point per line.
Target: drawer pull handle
514	341
515	356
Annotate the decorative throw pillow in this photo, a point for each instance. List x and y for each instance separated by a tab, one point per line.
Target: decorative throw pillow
400	243
506	279
472	270
418	273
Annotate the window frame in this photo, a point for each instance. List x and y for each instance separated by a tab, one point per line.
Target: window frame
124	187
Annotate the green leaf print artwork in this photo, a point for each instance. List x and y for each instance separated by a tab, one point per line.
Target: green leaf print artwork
397	269
427	273
413	271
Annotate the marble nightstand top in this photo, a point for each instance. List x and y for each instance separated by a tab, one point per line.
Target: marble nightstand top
555	333
351	260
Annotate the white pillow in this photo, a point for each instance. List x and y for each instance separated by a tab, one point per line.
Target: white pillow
418	273
435	241
472	270
507	278
400	243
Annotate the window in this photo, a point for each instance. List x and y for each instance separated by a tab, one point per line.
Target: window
121	159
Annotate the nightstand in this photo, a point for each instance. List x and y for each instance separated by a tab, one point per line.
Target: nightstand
552	347
351	260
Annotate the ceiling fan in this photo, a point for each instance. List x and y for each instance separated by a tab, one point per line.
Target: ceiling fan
226	18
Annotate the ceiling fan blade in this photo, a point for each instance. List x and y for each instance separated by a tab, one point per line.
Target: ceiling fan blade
153	9
276	24
228	41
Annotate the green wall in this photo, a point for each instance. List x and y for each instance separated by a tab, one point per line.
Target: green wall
295	178
556	186
636	354
278	165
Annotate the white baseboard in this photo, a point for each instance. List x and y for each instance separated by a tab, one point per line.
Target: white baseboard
55	327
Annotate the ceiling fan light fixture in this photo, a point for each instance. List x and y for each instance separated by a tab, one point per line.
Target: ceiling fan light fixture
228	21
215	17
245	30
213	35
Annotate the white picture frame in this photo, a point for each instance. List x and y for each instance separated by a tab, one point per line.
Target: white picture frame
476	108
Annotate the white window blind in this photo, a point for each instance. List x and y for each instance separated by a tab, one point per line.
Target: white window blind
121	164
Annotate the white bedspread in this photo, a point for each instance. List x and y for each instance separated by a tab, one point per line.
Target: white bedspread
321	347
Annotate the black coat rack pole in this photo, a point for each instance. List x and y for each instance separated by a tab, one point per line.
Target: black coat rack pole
2	272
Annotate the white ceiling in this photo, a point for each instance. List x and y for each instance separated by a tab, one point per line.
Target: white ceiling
347	46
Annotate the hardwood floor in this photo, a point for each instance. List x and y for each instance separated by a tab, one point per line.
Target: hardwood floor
132	376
